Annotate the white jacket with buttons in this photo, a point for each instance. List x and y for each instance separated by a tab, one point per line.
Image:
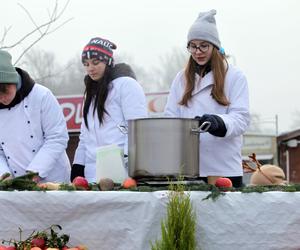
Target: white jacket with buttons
34	137
125	101
219	156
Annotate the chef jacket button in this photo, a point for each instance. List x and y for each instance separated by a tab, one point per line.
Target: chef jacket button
26	106
15	171
31	136
33	150
28	122
8	157
2	143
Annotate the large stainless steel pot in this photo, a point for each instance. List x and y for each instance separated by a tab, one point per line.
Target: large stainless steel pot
159	147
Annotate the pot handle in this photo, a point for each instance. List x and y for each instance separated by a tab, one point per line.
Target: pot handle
202	128
123	129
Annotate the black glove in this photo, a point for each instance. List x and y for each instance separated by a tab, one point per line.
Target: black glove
77	170
217	125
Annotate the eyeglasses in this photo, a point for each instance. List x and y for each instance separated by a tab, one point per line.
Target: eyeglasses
192	48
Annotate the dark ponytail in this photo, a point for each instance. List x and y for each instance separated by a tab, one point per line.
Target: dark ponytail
96	91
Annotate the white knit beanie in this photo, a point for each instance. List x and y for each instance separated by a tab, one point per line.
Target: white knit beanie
204	28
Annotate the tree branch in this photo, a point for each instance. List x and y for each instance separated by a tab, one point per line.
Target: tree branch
30	17
4	35
43	29
55	73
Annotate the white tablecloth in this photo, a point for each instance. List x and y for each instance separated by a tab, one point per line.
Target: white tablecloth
131	220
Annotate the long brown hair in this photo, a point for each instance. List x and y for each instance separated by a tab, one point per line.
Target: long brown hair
218	65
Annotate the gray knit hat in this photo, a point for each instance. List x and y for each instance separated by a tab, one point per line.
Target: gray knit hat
204	28
8	74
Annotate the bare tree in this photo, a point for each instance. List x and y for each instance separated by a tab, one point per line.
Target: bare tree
41	64
144	77
46	70
72	78
43	68
40	29
170	65
68	79
158	78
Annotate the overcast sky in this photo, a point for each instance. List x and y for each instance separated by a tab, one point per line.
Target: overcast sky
262	35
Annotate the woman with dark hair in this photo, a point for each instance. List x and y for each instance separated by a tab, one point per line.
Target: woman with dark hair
112	97
212	90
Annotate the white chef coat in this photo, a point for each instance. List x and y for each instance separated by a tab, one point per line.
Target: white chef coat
219	156
34	136
125	101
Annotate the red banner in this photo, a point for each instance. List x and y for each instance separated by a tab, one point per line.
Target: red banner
72	108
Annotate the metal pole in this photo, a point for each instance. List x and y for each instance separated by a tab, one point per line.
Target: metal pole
287	166
276	124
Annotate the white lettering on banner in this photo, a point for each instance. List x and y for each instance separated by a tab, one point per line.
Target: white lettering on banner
78	118
71	107
68	106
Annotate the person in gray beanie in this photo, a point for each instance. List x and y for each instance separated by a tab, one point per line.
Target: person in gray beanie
214	92
33	134
204	28
8	74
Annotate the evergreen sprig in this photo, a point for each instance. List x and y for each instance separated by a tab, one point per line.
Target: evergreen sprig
179	227
24	182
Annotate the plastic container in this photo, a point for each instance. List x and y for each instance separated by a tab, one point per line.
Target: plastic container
110	163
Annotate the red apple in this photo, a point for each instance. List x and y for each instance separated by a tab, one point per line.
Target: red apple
38	242
223	182
80	183
36	248
10	248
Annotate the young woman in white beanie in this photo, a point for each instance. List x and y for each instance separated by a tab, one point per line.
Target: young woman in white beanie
33	131
212	90
112	97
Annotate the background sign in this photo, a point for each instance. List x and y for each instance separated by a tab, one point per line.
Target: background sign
72	108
